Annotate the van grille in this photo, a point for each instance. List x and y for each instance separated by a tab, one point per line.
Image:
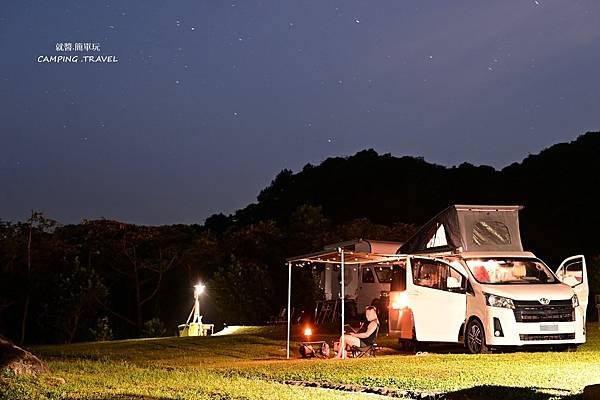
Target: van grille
555	336
534	311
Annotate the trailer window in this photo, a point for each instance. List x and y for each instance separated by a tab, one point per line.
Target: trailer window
384	274
367	276
487	233
398	278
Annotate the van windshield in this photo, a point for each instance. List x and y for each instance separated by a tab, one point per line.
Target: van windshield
508	271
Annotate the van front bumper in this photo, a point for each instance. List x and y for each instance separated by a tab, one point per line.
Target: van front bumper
513	333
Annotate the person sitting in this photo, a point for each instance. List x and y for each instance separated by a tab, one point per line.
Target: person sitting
361	339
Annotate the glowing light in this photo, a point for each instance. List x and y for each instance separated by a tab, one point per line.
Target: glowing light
198	289
399	300
307	332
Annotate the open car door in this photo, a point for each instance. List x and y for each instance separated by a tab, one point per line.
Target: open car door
573	272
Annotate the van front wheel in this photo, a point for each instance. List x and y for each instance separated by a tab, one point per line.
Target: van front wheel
475	338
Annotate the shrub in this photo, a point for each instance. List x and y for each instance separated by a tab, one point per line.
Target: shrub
154	328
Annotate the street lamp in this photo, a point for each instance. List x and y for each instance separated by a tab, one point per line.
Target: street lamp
194	325
198	290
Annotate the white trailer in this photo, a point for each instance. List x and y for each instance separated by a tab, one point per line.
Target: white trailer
364	283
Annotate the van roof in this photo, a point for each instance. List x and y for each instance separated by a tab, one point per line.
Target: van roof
469	228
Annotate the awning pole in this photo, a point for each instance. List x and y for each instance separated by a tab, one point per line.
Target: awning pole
288	306
342	341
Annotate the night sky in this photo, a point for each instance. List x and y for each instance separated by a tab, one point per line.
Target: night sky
209	100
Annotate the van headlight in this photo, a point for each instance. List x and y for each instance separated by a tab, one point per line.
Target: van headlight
575	301
498	301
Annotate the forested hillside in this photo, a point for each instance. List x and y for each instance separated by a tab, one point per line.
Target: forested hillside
106	279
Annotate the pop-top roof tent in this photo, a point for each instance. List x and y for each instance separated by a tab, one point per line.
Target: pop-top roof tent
353	252
468	228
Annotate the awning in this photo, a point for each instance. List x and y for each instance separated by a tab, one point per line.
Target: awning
342	254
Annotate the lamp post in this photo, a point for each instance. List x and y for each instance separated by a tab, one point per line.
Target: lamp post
198	290
194	325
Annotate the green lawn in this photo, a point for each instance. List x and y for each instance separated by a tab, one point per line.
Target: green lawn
252	365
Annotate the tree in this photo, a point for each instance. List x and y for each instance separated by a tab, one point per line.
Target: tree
244	292
37	224
147	261
73	298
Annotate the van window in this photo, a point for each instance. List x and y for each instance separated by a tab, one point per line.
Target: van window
427	273
487	233
367	276
436	275
572	273
508	271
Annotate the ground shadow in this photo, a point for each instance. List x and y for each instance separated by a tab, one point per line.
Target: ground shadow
491	392
451	348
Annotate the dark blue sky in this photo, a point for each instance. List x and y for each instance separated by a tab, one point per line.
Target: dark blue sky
211	99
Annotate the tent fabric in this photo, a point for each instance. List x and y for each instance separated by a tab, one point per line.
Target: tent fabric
351	258
448	218
468	228
356	252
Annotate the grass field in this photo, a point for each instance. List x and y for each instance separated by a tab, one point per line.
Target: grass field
251	365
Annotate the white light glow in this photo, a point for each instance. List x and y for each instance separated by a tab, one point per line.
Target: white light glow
399	300
198	289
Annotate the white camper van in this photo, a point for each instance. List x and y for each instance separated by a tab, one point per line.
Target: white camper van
464	278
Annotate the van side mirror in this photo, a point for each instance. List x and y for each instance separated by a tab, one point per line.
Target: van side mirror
452	283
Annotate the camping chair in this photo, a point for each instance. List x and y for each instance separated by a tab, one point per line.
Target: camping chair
281	318
358	352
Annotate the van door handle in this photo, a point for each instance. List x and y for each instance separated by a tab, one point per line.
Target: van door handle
414	293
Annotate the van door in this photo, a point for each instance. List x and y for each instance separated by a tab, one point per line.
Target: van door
573	272
437	297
